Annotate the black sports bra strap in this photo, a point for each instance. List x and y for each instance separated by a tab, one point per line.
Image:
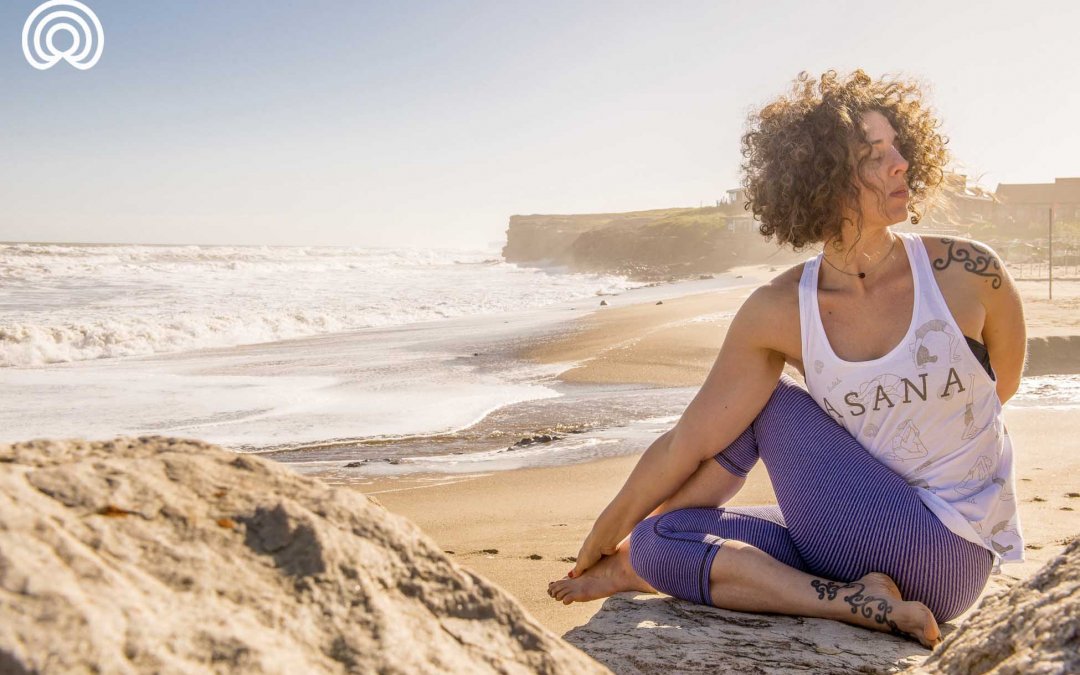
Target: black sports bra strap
982	355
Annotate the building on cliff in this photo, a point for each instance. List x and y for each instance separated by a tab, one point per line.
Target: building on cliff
1024	203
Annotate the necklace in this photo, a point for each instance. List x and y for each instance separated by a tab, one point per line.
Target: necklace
861	275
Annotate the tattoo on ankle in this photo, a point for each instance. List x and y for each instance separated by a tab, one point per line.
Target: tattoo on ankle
869	606
824	588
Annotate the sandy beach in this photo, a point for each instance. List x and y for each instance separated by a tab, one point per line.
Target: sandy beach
521	528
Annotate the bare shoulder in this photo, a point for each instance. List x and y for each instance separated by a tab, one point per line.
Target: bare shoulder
966	262
780	293
970	270
771	313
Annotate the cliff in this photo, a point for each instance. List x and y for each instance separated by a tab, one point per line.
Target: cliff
645	245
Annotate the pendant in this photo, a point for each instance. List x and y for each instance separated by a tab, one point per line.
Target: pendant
862	275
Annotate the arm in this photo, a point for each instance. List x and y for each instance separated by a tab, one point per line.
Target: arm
1004	331
980	282
741	381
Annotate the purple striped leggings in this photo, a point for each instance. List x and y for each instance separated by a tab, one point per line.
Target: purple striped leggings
841	514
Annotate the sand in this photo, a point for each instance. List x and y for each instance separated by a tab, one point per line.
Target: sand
520	528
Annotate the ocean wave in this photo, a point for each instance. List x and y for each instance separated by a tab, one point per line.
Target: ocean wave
63	303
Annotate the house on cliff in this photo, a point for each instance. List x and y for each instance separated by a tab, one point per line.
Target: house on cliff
736	216
1030	203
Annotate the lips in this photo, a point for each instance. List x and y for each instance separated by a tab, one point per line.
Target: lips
902	193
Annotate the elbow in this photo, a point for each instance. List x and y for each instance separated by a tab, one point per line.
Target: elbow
1006	389
685	448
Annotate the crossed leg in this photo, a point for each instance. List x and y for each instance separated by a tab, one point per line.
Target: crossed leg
851	517
709	486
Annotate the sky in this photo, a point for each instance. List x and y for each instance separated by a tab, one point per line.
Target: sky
430	123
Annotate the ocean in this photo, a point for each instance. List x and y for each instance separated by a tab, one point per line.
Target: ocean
316	355
346	362
62	303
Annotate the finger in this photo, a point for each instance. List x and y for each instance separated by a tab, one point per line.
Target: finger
584	562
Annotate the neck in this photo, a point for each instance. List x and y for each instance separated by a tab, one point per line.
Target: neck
851	254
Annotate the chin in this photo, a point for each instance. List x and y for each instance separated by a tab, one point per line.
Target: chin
898	216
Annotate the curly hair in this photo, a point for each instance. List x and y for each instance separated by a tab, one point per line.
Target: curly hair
798	171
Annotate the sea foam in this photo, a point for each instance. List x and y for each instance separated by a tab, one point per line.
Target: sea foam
77	302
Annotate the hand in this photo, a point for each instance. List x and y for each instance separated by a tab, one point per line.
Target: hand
595	547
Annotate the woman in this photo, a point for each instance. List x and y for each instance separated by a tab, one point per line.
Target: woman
893	472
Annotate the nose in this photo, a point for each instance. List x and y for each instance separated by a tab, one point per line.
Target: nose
899	162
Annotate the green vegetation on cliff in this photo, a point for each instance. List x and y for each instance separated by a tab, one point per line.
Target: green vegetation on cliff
655	244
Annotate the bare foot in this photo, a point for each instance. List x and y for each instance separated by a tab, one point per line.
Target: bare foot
612	574
876	603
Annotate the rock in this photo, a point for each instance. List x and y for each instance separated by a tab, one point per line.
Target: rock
165	555
355	465
659	302
1031	628
603	303
539	438
659	634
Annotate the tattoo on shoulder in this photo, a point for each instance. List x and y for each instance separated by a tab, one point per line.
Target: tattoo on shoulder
982	262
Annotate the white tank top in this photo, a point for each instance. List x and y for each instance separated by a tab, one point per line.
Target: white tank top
927	409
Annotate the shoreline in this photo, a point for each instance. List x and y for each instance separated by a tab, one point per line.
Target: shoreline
520	528
418	379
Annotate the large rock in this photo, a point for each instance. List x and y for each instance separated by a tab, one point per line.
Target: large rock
1031	629
164	555
650	634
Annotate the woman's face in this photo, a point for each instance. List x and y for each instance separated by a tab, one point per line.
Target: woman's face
883	190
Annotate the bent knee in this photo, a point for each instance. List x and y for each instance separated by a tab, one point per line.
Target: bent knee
788	401
671	560
789	391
